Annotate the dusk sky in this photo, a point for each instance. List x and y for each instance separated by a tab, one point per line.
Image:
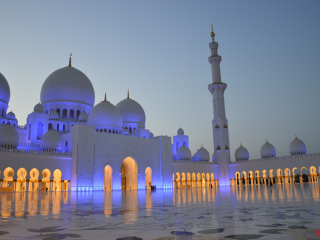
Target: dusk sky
159	50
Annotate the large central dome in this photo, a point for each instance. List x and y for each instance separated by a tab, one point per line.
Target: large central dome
67	85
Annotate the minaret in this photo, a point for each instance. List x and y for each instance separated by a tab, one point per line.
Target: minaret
219	122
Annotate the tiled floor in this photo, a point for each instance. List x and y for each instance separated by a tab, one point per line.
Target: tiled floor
253	212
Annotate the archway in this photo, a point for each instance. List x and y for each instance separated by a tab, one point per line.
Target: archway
148	173
129	171
271	177
108	178
250	178
57	174
183	180
287	176
257	179
198	180
264	176
21	180
212	180
208	180
313	174
33	182
178	180
238	180
304	174
188	179
8	179
295	173
46	180
279	176
244	178
194	180
203	180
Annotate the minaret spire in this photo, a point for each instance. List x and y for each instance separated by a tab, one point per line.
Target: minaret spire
70	60
219	122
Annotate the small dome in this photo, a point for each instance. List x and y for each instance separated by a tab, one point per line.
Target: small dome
51	140
53	114
267	150
4	90
201	155
105	114
213	157
183	153
38	108
180	131
83	116
131	111
67	84
9	136
141	125
297	147
11	115
241	153
151	135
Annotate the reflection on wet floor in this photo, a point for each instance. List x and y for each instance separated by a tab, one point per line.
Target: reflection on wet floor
44	203
208	210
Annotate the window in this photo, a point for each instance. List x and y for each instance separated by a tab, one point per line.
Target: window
58	127
71	114
177	146
64	127
50	126
58	111
39	131
184	144
78	113
64	113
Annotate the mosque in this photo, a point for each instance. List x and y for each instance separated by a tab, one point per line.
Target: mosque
70	144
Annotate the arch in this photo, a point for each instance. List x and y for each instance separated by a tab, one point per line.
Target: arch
65	113
296	174
287	176
21	180
58	111
57	174
177	146
78	113
177	179
188	179
71	114
29	131
8	179
250	178
129	176
279	176
304	174
33	182
39	130
50	126
313	174
45	180
108	178
148	173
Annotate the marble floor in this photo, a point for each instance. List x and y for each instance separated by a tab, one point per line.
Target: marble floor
287	211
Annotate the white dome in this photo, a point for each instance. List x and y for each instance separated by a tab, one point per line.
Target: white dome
267	150
213	157
241	153
38	108
9	136
51	140
141	125
297	147
4	90
180	131
67	84
151	135
83	116
11	115
131	111
183	153
53	114
105	114
201	155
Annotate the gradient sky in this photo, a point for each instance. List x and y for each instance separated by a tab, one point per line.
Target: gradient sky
159	50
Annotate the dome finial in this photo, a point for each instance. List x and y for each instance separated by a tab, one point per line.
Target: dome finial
296	136
105	97
240	145
201	145
266	140
212	33
70	60
128	94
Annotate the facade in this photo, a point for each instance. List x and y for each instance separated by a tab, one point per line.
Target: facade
70	144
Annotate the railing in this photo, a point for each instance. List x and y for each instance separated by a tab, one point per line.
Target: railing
274	158
29	144
28	151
